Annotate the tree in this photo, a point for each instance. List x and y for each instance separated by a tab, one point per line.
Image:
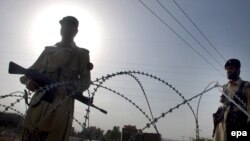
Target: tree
92	133
114	134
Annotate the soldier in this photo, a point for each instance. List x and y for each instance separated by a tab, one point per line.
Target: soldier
62	62
233	119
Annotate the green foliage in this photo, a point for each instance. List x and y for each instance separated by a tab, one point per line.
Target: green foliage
113	135
93	133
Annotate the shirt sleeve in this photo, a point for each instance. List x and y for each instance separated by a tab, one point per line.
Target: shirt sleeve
248	101
84	72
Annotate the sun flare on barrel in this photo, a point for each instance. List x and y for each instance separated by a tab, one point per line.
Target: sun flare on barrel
45	28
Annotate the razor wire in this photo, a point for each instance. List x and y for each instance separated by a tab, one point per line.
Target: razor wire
244	104
241	101
132	137
127	99
233	102
13	109
108	76
121	95
104	78
86	117
11	94
55	107
197	109
46	88
101	80
12	104
43	90
144	93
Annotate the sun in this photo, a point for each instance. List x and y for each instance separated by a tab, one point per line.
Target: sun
45	28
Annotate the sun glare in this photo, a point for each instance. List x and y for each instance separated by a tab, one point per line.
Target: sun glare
45	30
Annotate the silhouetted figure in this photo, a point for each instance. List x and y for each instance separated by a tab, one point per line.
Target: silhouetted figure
62	62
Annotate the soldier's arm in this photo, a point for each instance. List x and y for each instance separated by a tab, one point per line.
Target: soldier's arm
247	92
84	72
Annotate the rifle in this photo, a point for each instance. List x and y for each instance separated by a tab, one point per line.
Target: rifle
43	81
218	117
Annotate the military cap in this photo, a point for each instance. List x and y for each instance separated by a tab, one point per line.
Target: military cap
233	62
69	19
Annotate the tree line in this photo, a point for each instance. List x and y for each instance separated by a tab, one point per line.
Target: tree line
95	133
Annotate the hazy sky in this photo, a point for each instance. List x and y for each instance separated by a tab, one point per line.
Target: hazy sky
124	35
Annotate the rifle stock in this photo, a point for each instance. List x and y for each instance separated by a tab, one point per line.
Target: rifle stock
16	69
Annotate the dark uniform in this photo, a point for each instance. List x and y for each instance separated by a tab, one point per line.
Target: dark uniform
61	62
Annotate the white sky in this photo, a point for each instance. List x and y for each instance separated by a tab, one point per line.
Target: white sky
123	35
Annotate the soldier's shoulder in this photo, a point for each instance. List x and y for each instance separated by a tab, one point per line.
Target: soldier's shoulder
225	85
82	50
246	87
48	48
247	84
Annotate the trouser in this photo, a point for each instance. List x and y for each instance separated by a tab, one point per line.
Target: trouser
237	122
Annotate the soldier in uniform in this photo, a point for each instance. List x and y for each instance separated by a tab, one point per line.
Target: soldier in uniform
46	121
230	118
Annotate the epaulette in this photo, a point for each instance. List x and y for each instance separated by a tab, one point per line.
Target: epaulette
49	47
82	49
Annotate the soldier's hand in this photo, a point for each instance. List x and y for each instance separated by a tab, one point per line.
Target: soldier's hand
31	85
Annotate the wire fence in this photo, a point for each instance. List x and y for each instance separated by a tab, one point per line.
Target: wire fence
97	84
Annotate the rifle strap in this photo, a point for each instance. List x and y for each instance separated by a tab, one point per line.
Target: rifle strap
237	120
241	87
239	96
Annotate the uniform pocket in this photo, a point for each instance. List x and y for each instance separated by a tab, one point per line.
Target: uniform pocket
69	73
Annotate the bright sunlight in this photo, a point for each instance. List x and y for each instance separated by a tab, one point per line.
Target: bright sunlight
45	30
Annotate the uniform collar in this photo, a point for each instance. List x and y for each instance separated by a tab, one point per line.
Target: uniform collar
238	82
60	44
